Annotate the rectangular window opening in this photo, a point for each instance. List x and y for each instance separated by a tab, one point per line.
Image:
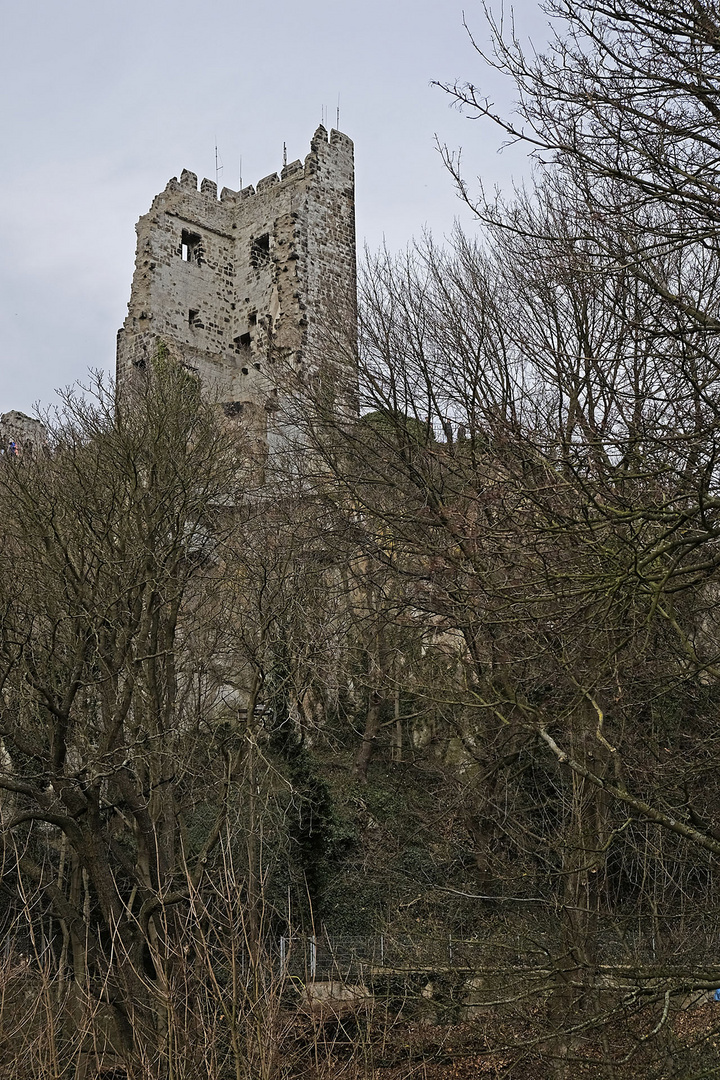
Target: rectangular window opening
243	341
194	319
190	247
260	251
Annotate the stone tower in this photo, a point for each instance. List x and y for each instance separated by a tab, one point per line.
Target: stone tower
239	288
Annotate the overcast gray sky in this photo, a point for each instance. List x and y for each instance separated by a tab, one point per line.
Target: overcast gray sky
104	102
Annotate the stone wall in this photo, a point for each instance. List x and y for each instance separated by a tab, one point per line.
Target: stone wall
242	288
21	436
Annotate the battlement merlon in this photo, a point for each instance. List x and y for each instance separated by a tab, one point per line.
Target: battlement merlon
240	286
336	148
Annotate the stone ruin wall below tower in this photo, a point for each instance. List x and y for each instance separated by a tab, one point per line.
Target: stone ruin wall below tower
240	288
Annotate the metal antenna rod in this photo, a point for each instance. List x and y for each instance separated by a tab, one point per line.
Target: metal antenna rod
218	166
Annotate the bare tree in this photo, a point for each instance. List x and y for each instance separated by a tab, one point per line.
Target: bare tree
534	479
111	722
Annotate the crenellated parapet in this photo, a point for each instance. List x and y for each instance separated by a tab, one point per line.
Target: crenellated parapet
238	287
330	146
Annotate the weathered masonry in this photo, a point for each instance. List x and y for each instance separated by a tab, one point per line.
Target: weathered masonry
22	436
239	288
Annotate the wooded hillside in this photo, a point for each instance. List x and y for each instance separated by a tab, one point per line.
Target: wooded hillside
395	753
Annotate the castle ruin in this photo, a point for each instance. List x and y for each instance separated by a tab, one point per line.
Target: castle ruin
238	288
22	436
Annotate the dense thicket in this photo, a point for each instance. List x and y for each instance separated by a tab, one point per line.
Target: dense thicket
536	477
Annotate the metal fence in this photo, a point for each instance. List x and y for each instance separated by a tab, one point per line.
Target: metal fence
359	959
353	959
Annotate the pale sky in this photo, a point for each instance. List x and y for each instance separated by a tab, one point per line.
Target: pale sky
104	102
